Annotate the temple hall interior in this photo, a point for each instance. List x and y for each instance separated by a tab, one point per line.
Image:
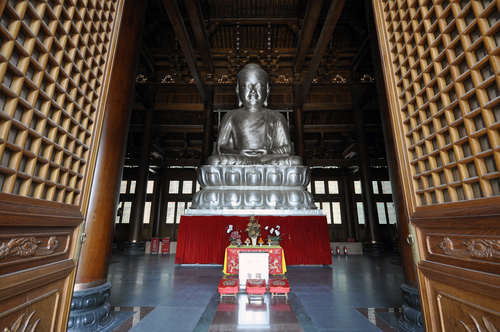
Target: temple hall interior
112	113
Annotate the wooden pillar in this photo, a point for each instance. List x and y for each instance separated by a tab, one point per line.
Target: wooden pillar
164	202
298	125
394	175
349	206
135	245
159	198
105	191
372	245
412	319
155	207
208	126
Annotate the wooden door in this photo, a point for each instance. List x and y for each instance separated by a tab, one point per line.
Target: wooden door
54	63
441	60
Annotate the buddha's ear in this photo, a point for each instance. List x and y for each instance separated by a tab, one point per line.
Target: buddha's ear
267	94
240	103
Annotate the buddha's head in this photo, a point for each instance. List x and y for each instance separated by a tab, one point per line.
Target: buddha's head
252	86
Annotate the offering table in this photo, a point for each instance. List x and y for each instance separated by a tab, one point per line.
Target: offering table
277	264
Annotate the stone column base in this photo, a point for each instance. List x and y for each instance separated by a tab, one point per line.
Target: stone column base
412	319
134	248
89	309
374	249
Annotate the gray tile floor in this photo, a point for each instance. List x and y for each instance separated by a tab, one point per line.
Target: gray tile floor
327	295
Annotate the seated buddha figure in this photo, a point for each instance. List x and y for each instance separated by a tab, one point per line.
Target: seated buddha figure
253	134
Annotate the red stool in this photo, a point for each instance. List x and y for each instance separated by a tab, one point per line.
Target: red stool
278	287
256	287
228	287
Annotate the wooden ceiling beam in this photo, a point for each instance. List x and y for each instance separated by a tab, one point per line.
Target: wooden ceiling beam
180	30
205	9
253	20
360	55
302	8
150	61
179	107
158	150
324	38
305	35
343	162
170	128
142	98
290	21
200	34
367	95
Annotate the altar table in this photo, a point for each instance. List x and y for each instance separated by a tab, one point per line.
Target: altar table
277	264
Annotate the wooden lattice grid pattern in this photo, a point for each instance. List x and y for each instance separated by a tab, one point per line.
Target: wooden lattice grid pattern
445	58
52	61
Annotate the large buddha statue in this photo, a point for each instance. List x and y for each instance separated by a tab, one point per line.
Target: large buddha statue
253	134
253	170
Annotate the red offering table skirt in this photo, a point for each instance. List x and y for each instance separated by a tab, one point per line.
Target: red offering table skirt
277	262
203	239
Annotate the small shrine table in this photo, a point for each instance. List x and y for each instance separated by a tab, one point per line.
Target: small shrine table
277	264
253	265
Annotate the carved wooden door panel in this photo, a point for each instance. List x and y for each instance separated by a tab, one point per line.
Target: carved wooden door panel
54	63
441	61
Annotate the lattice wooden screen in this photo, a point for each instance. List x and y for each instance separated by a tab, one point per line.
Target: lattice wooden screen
446	64
52	62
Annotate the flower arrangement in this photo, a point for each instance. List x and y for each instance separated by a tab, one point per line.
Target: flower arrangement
235	237
275	234
253	227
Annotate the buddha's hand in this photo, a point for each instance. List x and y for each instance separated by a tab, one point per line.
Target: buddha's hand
254	152
284	150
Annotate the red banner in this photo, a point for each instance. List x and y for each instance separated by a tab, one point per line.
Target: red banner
155	241
165	245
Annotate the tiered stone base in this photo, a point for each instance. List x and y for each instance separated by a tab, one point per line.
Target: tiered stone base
412	319
134	248
90	310
256	187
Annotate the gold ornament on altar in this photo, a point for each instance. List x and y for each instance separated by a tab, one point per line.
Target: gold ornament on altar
253	227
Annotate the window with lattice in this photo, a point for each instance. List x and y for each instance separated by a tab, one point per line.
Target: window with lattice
446	65
52	62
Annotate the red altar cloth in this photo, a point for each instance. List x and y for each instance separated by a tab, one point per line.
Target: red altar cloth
203	239
277	263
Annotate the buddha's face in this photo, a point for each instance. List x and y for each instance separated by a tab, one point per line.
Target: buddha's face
252	89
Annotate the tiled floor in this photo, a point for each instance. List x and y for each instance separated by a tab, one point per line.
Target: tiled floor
150	293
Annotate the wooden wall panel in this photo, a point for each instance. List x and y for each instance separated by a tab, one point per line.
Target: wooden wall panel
467	246
441	60
54	74
459	298
39	291
21	249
